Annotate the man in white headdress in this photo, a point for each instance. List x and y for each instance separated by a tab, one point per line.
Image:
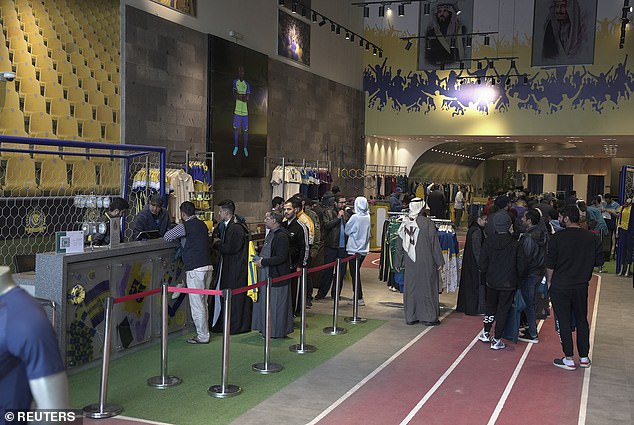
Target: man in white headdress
565	32
423	260
444	41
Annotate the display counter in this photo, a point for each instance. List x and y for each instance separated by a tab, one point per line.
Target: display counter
79	284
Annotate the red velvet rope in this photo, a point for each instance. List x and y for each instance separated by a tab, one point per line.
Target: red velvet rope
136	296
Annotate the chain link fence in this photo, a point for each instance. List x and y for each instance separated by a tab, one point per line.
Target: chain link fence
49	188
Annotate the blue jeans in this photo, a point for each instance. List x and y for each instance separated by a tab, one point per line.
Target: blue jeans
528	286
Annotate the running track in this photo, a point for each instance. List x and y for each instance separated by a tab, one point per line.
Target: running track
447	376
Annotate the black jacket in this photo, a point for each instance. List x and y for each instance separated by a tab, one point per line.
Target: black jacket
437	204
533	243
145	221
332	228
298	247
279	263
502	261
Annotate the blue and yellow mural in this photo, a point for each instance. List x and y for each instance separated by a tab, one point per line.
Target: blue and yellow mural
579	99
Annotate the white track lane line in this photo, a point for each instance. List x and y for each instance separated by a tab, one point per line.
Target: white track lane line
509	385
439	382
386	363
586	373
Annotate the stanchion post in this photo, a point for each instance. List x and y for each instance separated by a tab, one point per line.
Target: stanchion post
163	380
355	319
266	367
225	390
334	330
302	347
103	410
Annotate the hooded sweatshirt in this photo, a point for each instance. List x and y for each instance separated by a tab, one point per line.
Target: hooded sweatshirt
501	260
358	228
533	242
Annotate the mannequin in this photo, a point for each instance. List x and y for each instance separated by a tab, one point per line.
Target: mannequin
29	344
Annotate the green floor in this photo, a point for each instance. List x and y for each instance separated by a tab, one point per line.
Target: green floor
199	367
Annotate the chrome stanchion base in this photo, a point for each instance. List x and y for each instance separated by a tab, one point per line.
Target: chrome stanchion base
109	410
335	331
297	348
261	368
354	321
230	391
160	383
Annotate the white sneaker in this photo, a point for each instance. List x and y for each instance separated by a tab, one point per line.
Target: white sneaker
484	336
175	295
360	303
497	344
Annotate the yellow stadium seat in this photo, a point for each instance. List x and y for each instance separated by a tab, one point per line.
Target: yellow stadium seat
9	98
64	67
41	125
42	62
66	39
52	42
114	101
19	177
70	80
29	86
77	59
54	177
17	42
59	107
67	128
34	103
38	48
83	111
91	131
96	98
53	90
10	119
94	63
110	177
13	28
105	114
75	94
115	78
84	178
5	63
88	84
108	88
111	67
113	133
100	75
83	72
20	56
24	70
48	75
59	55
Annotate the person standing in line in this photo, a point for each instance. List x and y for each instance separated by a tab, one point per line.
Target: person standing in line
423	260
572	255
194	238
458	206
436	202
503	264
471	291
533	242
233	246
298	245
335	219
274	262
610	210
358	231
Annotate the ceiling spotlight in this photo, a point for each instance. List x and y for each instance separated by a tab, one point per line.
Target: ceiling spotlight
380	53
408	45
314	17
347	35
352	37
332	27
427	9
381	11
294	7
338	30
428	44
367	45
366	12
401	9
490	64
461	65
487	40
280	2
374	52
304	11
453	43
458	12
323	22
360	42
468	41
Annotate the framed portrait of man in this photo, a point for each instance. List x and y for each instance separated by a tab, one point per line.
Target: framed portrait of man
445	25
564	32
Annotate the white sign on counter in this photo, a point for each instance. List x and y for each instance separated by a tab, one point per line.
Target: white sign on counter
69	242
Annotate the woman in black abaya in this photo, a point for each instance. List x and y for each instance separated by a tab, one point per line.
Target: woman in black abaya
471	292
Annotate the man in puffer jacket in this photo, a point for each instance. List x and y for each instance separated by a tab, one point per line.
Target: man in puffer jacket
504	264
533	243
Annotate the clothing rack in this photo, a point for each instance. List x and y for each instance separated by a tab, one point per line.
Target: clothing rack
386	170
302	163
